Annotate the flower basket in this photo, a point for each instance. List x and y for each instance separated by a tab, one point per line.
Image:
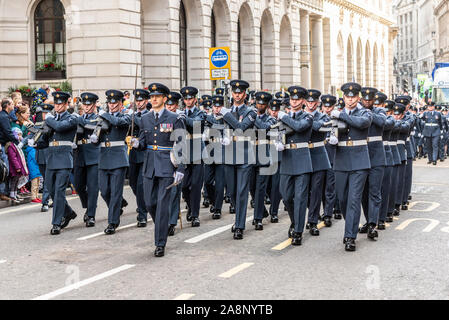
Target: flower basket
50	75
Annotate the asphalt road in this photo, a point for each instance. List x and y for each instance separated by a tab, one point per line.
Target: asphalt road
409	261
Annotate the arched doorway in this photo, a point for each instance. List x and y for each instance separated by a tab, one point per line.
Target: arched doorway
368	80
340	68
245	46
350	60
286	52
359	78
267	53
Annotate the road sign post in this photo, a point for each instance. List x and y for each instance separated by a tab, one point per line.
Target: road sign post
220	63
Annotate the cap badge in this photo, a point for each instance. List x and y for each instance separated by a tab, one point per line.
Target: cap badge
295	91
367	91
169	96
350	88
237	84
153	87
328	99
262	96
86	97
112	94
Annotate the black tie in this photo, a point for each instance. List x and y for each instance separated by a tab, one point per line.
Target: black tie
157	116
57	117
294	115
190	113
139	114
237	110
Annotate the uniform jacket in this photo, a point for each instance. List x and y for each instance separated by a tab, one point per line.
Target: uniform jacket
319	156
157	163
215	135
355	157
263	123
404	129
114	157
433	124
376	148
64	130
195	122
136	156
297	161
87	153
386	137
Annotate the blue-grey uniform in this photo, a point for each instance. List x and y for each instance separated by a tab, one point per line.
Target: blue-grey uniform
409	145
395	171
404	131
372	192
159	169
113	161
388	172
320	161
296	165
60	161
136	161
442	143
41	153
330	195
86	159
262	125
433	129
209	172
216	159
239	156
193	180
352	163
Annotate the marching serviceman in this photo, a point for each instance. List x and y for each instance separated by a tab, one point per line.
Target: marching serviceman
193	181
352	161
388	172
433	129
330	195
162	169
372	192
296	164
322	124
86	160
238	169
60	159
136	157
113	156
397	161
262	124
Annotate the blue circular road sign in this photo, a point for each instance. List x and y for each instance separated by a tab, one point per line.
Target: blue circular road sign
219	58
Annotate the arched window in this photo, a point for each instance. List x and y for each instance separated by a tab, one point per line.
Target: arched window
183	45
49	27
213	32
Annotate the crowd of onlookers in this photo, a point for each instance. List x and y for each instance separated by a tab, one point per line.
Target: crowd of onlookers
23	178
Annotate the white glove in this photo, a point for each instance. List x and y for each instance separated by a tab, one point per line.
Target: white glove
335	114
20	145
74	146
76	115
130	112
178	177
135	143
224	111
49	116
282	114
93	138
31	142
226	141
279	146
101	112
441	137
333	140
419	135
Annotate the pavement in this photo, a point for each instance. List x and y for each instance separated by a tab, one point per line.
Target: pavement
409	260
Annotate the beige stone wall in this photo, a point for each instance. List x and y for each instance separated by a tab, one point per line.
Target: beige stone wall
303	42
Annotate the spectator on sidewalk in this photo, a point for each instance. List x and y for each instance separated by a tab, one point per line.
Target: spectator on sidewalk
18	171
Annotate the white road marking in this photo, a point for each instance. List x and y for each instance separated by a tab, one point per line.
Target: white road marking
432	224
185	296
103	234
236	270
83	283
2	261
432	206
213	232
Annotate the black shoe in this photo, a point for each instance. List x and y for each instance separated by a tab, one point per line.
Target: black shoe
159	252
238	234
364	229
254	222
381	225
124	203
267	201
314	231
350	244
216	215
110	229
434	163
141	224
233	229
274	218
327	221
441	160
252	203
372	233
85	218
425	156
66	220
189	215
196	222
429	162
291	230
44	208
396	212
259	225
296	239
338	216
227	199
409	197
55	230
121	212
404	207
308	226
206	203
90	222
265	213
171	230
389	217
50	205
212	209
231	210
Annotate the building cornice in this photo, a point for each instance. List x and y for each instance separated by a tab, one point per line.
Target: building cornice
439	6
358	8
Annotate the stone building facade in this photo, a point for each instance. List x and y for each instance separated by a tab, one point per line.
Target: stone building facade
274	43
442	26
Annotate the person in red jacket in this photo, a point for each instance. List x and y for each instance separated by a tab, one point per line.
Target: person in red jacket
18	170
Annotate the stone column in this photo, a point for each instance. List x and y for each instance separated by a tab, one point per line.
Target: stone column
305	48
317	53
